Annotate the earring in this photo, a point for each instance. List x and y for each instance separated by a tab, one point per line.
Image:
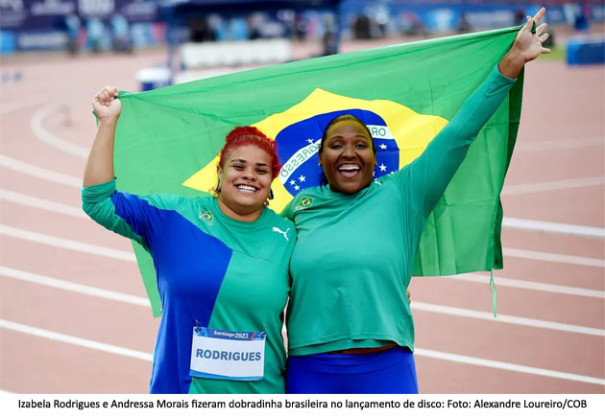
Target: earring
270	197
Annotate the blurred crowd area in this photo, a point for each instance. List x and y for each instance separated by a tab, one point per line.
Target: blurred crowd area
125	25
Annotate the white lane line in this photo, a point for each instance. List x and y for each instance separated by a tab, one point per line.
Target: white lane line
72	287
552	227
508	190
94	345
81	342
529	285
65	243
515	223
43	204
553	185
123	255
79	151
553	258
508	366
559	144
140	301
39	172
53	140
71	148
509	319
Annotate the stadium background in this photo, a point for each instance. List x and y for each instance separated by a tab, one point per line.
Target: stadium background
73	312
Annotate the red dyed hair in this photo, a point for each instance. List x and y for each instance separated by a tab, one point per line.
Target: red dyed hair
249	135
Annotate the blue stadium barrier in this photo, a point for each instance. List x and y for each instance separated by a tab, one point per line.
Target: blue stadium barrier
582	50
7	42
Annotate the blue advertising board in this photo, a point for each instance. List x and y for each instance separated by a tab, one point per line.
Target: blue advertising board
46	24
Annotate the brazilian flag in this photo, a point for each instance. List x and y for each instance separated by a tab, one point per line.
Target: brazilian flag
168	139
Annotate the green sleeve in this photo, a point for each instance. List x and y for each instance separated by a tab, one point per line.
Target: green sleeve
97	203
429	175
130	215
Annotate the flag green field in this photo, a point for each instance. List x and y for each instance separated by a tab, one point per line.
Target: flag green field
167	139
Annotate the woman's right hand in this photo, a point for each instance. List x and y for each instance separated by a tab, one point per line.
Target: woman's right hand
106	105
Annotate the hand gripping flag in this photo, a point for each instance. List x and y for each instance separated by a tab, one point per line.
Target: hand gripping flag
167	140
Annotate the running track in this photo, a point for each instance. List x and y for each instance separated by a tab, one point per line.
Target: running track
74	316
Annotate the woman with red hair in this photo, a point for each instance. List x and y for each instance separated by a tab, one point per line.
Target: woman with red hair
221	263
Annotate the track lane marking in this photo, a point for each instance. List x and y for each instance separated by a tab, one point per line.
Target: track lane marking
429	307
65	243
73	287
513	223
81	342
552	185
44	204
476	361
128	256
553	227
54	176
553	258
39	172
509	319
570	143
55	141
529	285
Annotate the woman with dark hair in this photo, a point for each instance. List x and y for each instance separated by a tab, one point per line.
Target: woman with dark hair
221	263
350	327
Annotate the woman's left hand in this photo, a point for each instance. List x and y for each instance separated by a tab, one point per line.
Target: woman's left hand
529	45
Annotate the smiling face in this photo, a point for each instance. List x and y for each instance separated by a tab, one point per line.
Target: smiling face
245	182
347	157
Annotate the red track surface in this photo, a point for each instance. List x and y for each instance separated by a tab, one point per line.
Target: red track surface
549	339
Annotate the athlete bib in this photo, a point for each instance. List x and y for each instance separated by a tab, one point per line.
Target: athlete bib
227	355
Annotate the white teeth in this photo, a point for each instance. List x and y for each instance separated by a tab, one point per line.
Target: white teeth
349	167
246	188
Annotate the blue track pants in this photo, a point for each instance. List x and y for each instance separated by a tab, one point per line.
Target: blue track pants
391	371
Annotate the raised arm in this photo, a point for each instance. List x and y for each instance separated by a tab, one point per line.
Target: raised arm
118	212
99	167
432	171
137	217
527	47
